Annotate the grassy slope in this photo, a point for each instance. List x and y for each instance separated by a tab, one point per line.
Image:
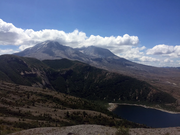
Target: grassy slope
12	67
24	107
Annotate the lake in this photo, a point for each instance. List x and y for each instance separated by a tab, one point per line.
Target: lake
150	117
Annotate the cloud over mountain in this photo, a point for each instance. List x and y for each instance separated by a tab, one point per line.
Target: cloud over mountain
11	35
125	46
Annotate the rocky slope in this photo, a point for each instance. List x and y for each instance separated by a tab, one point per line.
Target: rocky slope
97	129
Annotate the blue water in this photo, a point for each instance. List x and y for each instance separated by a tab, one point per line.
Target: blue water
150	117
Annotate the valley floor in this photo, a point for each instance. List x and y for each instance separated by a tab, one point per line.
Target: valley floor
96	130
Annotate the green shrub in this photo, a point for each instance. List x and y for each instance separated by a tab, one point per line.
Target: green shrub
122	131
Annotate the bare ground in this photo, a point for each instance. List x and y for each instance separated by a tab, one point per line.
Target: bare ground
96	130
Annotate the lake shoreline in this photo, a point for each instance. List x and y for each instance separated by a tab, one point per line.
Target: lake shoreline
113	106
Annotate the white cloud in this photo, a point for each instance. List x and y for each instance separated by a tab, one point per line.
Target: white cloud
168	60
136	54
7	51
166	50
178	61
142	48
148	59
109	41
23	47
10	35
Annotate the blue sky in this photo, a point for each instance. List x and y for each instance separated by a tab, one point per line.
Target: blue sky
143	31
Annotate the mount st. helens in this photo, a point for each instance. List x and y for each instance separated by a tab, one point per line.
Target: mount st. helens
166	79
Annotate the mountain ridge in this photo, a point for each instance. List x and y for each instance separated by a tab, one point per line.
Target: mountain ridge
167	79
79	79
